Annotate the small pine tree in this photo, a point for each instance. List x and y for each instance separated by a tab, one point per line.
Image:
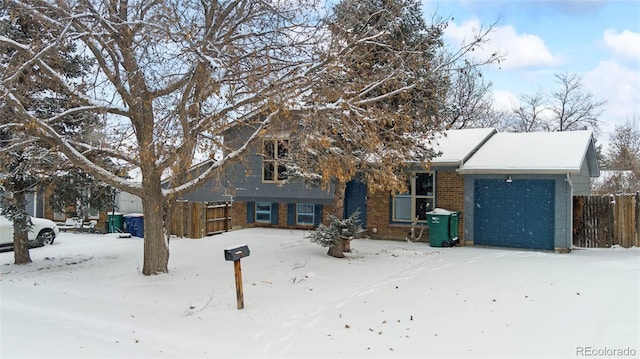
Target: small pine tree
332	235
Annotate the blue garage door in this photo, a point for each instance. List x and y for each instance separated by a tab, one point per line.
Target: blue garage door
518	214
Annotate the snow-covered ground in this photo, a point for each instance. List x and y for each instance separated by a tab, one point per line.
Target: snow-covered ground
84	297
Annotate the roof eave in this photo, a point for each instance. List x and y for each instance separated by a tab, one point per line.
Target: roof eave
518	171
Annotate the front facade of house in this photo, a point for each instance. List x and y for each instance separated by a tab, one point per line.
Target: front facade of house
515	196
261	199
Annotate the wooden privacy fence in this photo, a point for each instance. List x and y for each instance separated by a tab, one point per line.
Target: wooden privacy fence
604	221
199	219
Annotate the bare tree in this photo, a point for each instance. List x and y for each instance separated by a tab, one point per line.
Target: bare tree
528	116
168	78
470	102
622	161
624	147
573	108
568	108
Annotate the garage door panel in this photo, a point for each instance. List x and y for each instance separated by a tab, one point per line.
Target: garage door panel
518	214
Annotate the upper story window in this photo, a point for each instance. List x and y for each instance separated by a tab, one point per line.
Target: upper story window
274	152
418	201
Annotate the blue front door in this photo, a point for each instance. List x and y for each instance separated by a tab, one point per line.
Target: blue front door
355	198
518	214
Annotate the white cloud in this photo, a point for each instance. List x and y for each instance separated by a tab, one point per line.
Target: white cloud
625	44
520	50
504	100
620	86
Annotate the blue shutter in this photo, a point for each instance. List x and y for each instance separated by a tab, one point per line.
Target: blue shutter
291	214
251	212
274	213
317	219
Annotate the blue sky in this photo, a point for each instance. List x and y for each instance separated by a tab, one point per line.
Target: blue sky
598	40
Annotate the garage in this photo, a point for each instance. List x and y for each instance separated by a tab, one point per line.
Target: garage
515	213
519	188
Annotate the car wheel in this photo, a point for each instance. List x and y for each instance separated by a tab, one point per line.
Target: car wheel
46	236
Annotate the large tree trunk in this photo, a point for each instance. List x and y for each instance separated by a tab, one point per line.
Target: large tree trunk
20	233
156	245
337	249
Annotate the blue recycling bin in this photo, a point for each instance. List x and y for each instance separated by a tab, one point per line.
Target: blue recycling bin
134	224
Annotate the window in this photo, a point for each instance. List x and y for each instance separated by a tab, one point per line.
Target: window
263	212
274	153
305	214
93	213
418	201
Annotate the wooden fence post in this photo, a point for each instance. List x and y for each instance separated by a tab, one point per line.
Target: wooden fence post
226	217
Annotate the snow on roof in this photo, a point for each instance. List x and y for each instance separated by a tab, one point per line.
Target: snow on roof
531	152
457	146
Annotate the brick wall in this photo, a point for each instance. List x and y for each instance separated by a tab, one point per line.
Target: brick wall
239	217
449	195
379	215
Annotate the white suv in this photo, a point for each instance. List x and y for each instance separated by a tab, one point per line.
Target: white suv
42	232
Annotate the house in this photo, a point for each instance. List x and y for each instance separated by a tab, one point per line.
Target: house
510	189
261	199
125	203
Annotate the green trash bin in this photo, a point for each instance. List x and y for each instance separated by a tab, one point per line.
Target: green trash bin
443	227
115	222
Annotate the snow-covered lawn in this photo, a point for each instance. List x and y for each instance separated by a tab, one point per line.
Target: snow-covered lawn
84	297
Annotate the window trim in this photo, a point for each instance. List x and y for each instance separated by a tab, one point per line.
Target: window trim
262	212
277	178
414	197
312	214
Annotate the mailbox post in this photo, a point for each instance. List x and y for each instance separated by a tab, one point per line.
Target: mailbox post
235	254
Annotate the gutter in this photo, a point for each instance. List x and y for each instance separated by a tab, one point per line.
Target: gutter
518	171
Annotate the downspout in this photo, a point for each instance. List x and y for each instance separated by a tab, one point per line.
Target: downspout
570	210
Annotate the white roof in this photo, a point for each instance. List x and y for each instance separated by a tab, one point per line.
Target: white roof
531	152
456	146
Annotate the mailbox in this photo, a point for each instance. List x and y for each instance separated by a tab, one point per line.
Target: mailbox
235	254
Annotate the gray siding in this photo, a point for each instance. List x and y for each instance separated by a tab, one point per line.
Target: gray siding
35	204
563	206
242	181
249	187
582	181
